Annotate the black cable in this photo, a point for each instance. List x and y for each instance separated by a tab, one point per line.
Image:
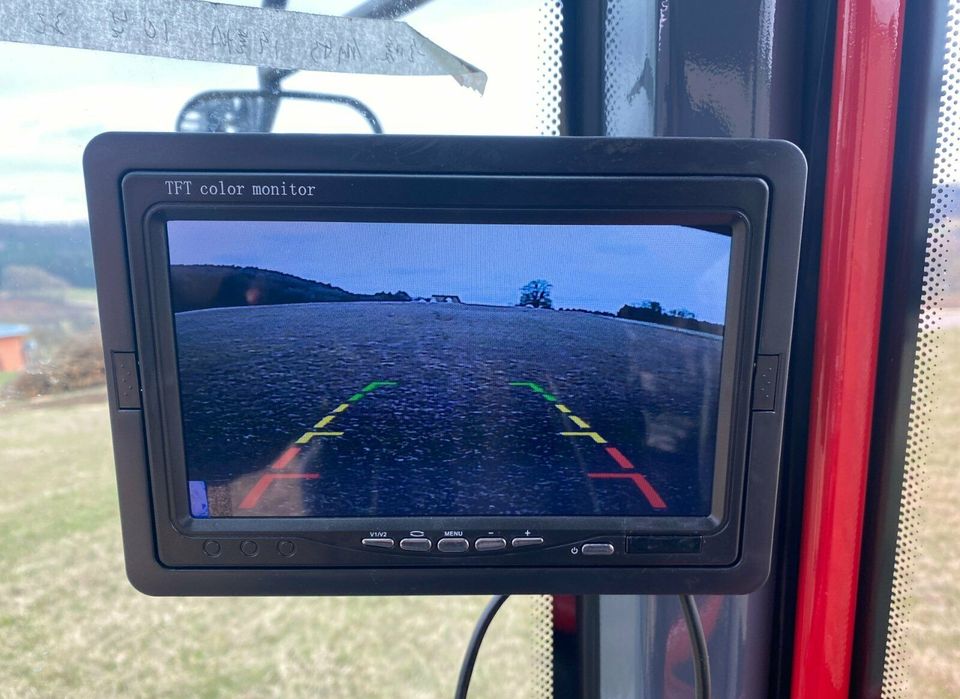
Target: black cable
691	615
698	646
473	647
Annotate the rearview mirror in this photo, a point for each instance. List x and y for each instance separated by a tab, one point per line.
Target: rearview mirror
254	111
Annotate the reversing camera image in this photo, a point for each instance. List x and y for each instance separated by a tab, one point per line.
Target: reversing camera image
355	369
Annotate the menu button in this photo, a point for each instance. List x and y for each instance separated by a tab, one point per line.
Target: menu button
453	545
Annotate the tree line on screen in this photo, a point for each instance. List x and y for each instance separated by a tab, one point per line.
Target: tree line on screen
653	312
195	287
536	294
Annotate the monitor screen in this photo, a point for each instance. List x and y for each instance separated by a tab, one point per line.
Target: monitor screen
388	369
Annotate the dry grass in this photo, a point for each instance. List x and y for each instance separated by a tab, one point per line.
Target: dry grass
932	641
71	625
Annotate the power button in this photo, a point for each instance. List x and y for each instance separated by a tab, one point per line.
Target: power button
596	549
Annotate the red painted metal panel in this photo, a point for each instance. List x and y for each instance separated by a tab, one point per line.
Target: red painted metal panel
856	208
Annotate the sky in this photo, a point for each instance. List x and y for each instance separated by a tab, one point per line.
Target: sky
54	100
596	267
57	99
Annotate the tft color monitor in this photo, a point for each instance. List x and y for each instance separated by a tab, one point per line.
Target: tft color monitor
415	365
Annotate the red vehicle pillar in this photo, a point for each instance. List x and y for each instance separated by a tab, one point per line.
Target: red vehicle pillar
856	209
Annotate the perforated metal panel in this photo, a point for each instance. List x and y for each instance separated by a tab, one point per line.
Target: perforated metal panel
922	655
516	658
541	613
550	47
539	609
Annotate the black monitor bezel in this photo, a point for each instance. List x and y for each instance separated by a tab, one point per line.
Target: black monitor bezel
167	459
727	201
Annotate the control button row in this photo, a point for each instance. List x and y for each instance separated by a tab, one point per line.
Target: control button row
453	544
212	548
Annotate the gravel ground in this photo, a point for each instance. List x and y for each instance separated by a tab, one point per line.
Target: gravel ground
452	436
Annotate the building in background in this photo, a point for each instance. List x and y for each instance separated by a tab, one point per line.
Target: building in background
12	341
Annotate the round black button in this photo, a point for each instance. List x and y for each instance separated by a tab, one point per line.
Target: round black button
211	548
249	548
286	548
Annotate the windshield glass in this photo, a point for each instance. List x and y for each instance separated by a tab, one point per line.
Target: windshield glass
73	626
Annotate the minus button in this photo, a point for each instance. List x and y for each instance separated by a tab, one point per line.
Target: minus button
490	544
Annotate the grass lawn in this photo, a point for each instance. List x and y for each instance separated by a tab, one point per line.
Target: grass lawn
932	663
6	377
71	625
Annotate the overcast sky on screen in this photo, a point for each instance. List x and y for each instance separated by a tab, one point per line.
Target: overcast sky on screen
590	267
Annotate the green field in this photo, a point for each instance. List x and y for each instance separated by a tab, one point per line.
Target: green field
71	625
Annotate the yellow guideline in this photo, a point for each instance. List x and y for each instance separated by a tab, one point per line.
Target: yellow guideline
592	435
307	436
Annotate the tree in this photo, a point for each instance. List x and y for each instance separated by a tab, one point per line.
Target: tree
652	306
536	293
